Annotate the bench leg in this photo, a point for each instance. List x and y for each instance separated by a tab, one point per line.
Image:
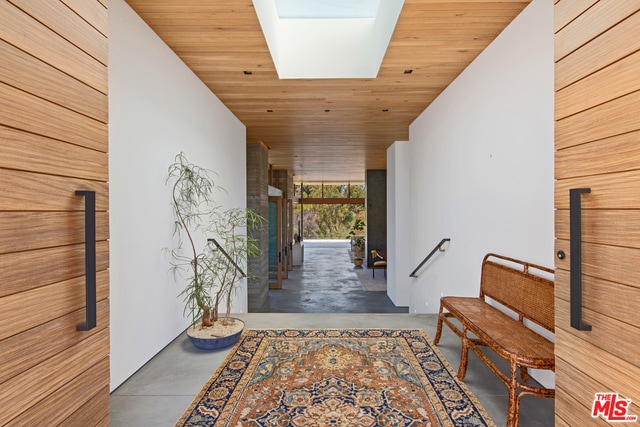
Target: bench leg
513	410
464	354
439	327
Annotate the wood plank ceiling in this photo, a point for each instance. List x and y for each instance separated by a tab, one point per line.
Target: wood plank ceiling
327	130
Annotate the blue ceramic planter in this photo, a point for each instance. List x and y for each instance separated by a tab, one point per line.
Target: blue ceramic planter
216	343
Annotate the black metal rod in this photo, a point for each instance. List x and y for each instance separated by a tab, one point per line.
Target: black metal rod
215	242
575	232
438	246
90	259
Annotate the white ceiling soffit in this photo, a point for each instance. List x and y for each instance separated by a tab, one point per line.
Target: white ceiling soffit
324	39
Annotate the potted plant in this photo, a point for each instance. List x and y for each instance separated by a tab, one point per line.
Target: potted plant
212	248
357	246
356	235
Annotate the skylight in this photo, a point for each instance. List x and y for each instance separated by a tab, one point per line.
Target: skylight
327	38
326	9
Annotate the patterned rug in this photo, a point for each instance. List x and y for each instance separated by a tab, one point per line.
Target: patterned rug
370	283
335	377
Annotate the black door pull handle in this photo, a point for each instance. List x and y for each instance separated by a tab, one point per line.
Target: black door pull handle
90	258
575	232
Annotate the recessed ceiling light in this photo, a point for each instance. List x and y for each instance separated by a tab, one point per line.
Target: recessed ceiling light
247	73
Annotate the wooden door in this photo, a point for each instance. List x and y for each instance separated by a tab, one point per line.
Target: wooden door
289	234
275	243
597	140
53	141
286	252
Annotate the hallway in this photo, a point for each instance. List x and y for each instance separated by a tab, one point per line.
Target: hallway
327	283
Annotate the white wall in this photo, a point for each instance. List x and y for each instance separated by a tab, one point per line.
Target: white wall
398	236
481	161
157	108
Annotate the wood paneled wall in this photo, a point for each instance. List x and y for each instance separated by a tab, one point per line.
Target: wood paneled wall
53	141
597	138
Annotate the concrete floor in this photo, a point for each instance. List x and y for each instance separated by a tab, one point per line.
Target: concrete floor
161	390
327	283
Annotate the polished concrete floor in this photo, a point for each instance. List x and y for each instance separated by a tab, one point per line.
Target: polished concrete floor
327	283
161	390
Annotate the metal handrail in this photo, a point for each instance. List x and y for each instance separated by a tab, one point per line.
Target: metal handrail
215	242
438	247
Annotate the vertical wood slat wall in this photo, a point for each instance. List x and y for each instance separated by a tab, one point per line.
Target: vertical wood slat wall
597	139
53	141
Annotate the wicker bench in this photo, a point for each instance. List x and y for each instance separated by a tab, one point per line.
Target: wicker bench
511	283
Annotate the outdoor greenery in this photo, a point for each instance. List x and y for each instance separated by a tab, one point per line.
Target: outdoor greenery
329	221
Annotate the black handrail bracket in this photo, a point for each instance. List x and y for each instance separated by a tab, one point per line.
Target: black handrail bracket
90	259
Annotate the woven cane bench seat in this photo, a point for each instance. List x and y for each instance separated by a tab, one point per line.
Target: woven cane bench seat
511	283
505	335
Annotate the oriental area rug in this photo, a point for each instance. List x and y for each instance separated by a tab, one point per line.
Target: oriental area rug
370	283
335	377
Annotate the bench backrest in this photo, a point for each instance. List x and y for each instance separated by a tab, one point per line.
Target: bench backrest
511	283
